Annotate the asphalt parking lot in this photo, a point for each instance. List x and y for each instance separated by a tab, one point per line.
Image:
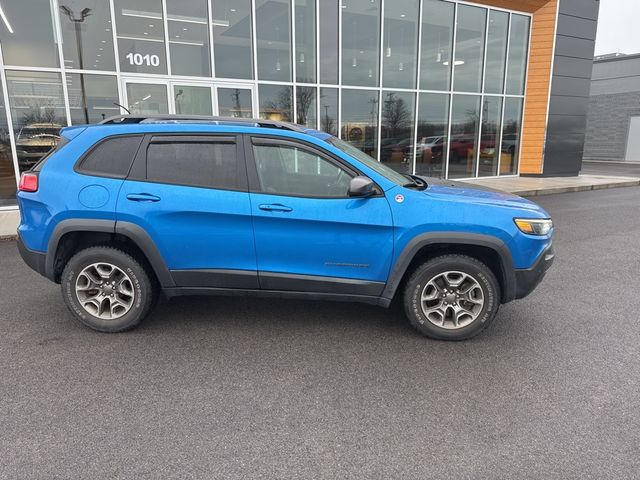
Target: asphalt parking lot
253	388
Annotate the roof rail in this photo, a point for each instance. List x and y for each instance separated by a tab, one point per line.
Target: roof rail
257	122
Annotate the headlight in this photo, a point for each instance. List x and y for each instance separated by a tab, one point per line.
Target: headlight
533	226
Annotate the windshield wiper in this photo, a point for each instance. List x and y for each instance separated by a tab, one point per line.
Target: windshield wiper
416	182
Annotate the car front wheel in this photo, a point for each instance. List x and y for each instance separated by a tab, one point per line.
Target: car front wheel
452	297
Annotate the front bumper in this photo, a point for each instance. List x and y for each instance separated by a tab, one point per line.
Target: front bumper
527	280
36	260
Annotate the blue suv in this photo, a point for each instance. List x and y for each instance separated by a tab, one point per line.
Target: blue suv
125	210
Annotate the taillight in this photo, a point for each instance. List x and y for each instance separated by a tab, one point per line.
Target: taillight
28	182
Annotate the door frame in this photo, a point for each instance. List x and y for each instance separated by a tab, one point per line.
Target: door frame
171	83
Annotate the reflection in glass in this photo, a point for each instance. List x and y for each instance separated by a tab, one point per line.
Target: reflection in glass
37	112
496	51
7	171
192	100
140	29
437	41
87	41
92	98
360	120
511	136
232	38
431	144
188	37
397	130
401	43
275	102
490	136
467	65
305	41
329	110
27	34
273	39
518	46
147	99
234	102
328	42
360	42
306	106
465	113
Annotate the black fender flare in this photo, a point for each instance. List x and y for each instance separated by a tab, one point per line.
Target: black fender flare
133	232
459	238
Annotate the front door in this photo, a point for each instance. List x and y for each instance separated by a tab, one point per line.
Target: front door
309	234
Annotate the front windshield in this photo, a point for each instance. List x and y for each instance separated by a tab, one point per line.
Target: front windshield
373	164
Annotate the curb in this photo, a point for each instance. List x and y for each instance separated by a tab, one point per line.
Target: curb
580	188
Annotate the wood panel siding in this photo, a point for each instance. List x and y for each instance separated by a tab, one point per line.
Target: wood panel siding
543	31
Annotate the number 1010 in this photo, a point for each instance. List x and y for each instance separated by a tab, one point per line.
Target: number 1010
139	59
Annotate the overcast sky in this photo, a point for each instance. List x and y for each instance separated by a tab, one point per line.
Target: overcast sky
618	29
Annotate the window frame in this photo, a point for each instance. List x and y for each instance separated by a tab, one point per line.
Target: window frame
138	171
252	171
77	168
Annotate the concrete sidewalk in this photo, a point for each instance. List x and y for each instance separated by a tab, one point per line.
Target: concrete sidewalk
524	186
534	186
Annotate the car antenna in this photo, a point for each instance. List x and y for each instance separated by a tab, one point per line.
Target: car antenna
123	107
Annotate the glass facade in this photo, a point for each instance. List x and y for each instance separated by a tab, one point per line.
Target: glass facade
433	87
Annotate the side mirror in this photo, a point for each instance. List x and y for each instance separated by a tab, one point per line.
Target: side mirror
361	187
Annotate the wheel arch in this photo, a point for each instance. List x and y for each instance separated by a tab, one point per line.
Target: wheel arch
71	235
490	250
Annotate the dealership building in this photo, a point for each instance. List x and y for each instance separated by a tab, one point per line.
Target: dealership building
445	88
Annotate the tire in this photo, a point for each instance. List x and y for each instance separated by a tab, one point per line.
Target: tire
120	300
463	316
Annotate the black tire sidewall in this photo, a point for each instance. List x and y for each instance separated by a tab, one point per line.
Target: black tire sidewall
480	272
143	294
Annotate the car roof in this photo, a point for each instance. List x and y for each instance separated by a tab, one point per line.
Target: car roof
195	123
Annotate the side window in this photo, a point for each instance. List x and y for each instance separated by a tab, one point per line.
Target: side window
199	163
289	170
111	157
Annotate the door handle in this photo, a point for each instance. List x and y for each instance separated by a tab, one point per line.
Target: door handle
142	197
275	207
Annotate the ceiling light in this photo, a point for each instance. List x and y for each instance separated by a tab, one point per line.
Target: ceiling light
138	13
185	29
151	25
99	55
5	20
104	41
145	33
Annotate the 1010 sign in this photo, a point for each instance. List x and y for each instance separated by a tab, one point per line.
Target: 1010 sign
146	59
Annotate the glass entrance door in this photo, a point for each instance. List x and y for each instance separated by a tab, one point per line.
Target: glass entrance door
188	98
145	98
192	99
235	101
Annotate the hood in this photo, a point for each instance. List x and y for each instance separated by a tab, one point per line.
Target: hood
467	192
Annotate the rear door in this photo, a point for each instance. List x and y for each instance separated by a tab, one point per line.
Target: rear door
310	236
189	193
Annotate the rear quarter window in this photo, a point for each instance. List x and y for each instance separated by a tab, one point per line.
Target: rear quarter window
111	157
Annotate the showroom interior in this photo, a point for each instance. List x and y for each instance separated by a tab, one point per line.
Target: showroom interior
450	89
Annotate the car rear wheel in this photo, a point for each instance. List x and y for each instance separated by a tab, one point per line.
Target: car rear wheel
452	297
106	289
